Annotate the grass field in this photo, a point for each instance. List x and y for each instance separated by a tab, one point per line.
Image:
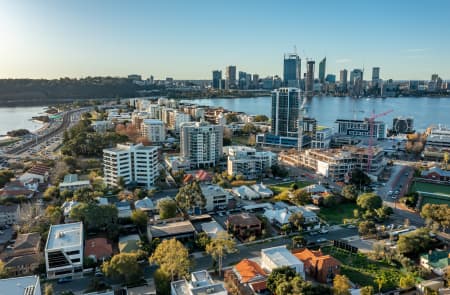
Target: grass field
336	215
285	186
431	187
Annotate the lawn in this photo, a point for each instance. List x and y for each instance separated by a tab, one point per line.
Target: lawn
278	188
431	187
336	215
362	271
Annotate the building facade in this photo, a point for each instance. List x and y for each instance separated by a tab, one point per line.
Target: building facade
137	164
285	108
291	70
153	130
201	144
248	162
361	128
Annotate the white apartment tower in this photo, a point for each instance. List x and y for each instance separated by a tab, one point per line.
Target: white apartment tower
248	162
135	163
153	130
201	143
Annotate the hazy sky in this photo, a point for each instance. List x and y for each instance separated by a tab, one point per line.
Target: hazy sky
188	39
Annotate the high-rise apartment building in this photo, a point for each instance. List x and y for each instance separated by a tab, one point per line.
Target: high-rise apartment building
285	107
255	81
322	69
201	143
375	74
134	163
309	80
243	160
230	75
291	70
153	130
343	79
217	79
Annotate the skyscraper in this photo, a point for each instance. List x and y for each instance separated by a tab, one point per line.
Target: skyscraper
285	108
217	79
355	75
291	70
375	74
255	81
309	81
322	67
230	75
343	80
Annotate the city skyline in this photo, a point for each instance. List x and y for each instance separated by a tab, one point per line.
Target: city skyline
188	41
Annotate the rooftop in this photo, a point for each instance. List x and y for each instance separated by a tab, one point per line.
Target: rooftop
39	170
249	270
65	235
27	241
171	229
98	247
243	219
280	256
20	285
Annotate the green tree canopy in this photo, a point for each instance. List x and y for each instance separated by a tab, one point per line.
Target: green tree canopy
369	201
219	246
278	276
438	214
414	243
123	266
350	192
190	196
167	208
139	218
97	217
341	285
172	258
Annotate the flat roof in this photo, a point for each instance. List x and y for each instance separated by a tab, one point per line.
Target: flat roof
65	235
170	229
20	285
281	256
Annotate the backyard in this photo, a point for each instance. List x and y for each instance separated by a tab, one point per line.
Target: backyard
336	215
279	188
362	271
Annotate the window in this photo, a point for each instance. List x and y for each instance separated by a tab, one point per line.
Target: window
73	252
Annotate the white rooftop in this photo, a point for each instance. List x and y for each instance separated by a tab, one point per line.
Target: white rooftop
20	285
281	256
212	228
65	235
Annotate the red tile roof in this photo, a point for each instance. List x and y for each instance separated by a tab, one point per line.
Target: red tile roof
98	247
39	170
316	259
249	270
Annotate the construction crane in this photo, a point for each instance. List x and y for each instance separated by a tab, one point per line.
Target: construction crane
371	135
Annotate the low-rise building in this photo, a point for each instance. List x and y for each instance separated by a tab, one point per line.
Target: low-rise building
146	204
201	283
212	228
67	207
322	268
181	230
321	138
216	197
246	193
71	183
98	249
244	225
248	277
15	189
64	250
39	172
129	243
436	173
9	214
248	162
276	257
30	285
262	190
25	256
436	261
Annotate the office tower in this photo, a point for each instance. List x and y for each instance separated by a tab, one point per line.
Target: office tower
244	80
309	81
355	75
201	144
330	78
375	74
255	81
291	70
217	79
285	108
322	68
230	76
134	163
343	79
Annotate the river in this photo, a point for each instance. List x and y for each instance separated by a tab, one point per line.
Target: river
12	118
426	111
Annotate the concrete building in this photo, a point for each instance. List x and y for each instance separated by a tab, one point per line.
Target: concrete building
230	76
322	70
135	163
276	257
64	250
216	197
71	183
153	130
9	214
309	79
30	285
285	107
322	138
375	75
201	144
291	70
401	125
201	283
343	80
248	162
217	79
361	128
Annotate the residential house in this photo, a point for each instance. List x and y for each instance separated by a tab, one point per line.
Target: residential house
146	204
129	243
248	277
124	208
39	172
181	230
64	250
244	225
212	228
67	207
216	197
436	261
30	285
262	190
276	257
201	283
246	193
72	183
436	173
98	248
14	189
322	268
9	214
25	257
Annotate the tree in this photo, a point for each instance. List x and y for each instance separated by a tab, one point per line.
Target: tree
367	290
172	258
414	243
219	246
167	208
301	197
231	117
369	201
202	240
278	276
5	177
124	266
54	214
446	158
190	196
162	282
380	280
297	220
50	193
350	192
359	178
97	217
261	118
366	228
3	271
341	285
248	128
438	214
139	218
407	281
48	289
384	212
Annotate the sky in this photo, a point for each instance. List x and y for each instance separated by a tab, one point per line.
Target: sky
407	39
